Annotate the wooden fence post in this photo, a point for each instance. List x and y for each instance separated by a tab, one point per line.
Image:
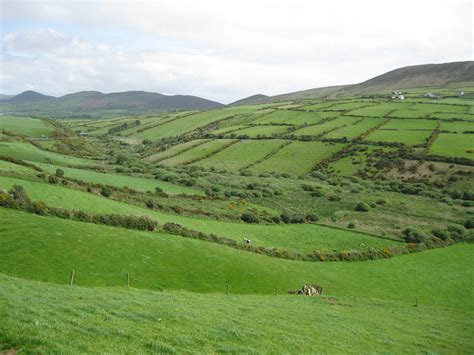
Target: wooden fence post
227	289
128	280
71	280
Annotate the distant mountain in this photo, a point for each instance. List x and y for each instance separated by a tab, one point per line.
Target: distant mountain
28	97
4	97
88	103
427	75
250	100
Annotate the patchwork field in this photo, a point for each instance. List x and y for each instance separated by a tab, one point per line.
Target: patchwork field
297	157
261	131
240	155
399	136
198	152
454	145
353	130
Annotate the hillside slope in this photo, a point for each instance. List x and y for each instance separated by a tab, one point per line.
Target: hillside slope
418	76
425	75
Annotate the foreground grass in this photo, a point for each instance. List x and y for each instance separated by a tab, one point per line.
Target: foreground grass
39	317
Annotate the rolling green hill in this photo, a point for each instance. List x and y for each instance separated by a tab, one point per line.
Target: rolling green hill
183	231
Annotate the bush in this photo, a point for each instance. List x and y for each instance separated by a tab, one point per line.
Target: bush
150	203
469	224
285	218
316	193
158	189
362	207
312	217
59	172
249	217
105	191
351	225
413	235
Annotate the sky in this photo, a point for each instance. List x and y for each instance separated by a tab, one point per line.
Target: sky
222	50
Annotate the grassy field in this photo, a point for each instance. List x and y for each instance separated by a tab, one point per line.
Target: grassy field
174	150
457	127
355	129
137	183
326	126
399	136
197	152
240	155
297	157
263	131
296	237
52	247
27	151
453	145
382	109
410	124
32	127
83	320
188	123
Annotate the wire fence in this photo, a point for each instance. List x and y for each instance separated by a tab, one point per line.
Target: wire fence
144	280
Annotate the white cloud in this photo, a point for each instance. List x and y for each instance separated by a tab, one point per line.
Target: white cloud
224	50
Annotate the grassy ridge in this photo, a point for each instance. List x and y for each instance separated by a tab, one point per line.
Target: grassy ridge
297	237
137	183
27	151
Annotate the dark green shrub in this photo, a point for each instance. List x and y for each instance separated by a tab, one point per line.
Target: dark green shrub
362	207
52	179
59	172
105	191
312	217
158	189
413	235
351	225
285	218
249	217
316	193
469	224
150	203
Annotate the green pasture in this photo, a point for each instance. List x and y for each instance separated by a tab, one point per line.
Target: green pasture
355	129
296	237
197	152
399	136
297	157
27	151
175	150
32	127
453	145
241	154
264	131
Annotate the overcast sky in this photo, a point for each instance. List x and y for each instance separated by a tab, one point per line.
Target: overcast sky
222	50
